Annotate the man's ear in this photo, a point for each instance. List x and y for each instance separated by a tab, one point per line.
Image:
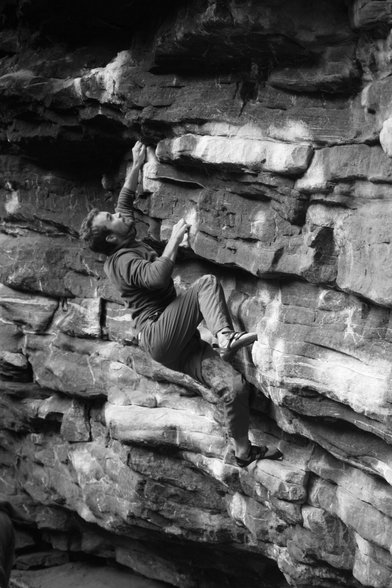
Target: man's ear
111	238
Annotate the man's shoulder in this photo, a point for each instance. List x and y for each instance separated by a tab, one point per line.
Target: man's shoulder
137	249
120	258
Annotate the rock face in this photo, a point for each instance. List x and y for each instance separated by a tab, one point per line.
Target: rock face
269	130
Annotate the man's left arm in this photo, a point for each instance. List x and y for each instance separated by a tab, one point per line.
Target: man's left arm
128	191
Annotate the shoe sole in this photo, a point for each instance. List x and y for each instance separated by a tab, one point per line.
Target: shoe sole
245	341
271	453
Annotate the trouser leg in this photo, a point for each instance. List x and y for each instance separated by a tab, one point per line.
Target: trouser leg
206	366
168	338
213	304
230	389
7	545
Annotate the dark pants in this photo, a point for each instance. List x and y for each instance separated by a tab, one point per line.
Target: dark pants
174	341
7	545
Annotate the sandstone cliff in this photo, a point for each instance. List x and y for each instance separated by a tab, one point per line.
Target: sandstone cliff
270	126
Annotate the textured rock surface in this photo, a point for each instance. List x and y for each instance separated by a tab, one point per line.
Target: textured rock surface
269	127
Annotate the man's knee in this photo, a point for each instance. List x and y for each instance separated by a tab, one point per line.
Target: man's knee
208	280
234	389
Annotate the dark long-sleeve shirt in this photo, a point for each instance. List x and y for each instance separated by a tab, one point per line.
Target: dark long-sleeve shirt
142	278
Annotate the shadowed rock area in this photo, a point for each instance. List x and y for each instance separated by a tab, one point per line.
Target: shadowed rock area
270	128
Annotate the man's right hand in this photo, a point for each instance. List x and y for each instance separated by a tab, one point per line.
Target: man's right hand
176	238
178	232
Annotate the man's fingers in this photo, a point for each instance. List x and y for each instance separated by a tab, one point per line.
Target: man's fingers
181	228
181	222
138	147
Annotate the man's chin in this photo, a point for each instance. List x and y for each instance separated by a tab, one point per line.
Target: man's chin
131	233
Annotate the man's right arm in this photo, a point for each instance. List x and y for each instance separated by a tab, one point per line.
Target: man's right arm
152	275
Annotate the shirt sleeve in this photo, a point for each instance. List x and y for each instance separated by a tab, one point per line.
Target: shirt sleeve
125	203
140	273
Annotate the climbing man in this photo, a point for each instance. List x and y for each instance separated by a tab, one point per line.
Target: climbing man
166	322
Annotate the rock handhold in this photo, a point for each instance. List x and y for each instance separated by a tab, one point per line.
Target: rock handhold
386	137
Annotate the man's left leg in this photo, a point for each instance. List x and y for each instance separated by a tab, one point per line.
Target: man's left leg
206	366
234	393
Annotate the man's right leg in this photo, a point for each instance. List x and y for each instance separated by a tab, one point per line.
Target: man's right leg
214	309
178	322
168	337
212	304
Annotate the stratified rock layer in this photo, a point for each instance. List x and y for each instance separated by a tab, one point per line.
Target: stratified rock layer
268	126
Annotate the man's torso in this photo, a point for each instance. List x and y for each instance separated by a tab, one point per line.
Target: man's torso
143	302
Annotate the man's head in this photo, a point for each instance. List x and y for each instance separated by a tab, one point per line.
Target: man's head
105	232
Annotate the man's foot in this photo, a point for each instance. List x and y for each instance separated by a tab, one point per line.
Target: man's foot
256	453
231	341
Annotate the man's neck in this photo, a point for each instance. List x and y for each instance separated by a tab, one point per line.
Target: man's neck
127	243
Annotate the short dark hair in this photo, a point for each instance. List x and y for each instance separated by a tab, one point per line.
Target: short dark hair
94	236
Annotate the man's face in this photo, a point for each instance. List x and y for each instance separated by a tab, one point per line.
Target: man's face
121	227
